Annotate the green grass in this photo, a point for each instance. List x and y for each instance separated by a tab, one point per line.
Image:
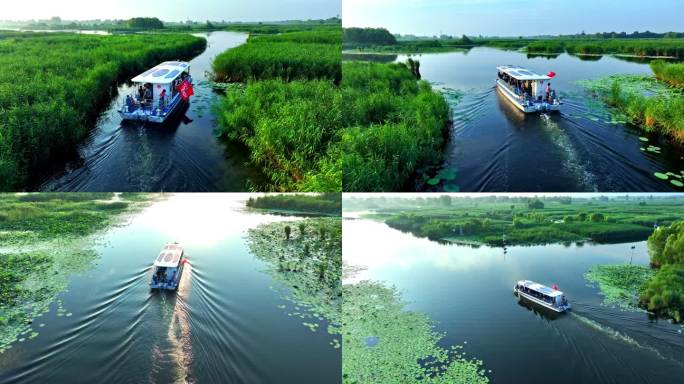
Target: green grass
291	56
290	129
289	112
393	124
644	101
671	73
51	88
326	203
485	220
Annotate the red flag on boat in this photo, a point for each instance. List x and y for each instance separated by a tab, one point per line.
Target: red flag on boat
551	74
185	90
554	286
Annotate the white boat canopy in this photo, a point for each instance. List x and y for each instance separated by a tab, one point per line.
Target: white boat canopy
169	256
520	73
163	73
540	288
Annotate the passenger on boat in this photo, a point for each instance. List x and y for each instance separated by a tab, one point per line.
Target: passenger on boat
148	95
162	98
129	102
548	91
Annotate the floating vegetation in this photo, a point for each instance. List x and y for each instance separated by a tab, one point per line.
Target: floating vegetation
48	237
643	138
385	343
677	183
621	284
307	265
660	175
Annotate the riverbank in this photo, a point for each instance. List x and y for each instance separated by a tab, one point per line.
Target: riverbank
56	84
533	222
288	113
46	238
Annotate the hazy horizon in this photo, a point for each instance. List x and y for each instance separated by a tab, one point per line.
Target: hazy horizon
173	11
512	17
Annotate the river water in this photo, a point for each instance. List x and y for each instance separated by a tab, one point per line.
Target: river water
495	147
468	292
226	324
183	155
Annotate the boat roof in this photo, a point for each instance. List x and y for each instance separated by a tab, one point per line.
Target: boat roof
163	73
169	256
540	288
520	73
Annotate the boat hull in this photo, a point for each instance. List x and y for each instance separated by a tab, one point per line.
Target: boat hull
152	115
542	303
168	285
530	106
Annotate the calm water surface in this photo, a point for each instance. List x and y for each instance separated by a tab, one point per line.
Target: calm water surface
468	292
495	147
224	325
181	155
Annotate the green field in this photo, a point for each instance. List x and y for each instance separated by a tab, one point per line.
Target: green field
289	111
45	239
393	124
51	88
523	222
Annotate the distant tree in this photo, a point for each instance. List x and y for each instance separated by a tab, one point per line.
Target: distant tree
535	204
288	230
368	36
56	20
582	216
466	40
210	25
597	217
445	200
145	23
568	219
517	223
302	230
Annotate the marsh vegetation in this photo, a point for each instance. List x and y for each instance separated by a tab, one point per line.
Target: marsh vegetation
52	87
288	113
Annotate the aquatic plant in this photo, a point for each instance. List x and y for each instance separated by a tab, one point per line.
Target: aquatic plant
385	343
620	284
310	283
47	238
52	86
645	102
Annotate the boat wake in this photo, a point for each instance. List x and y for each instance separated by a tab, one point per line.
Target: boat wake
572	163
614	334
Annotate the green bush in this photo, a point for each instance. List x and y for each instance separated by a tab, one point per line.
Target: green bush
664	293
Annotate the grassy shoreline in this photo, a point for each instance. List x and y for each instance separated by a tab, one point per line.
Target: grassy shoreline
52	88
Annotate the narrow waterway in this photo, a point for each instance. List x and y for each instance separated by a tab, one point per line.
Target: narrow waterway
182	155
494	147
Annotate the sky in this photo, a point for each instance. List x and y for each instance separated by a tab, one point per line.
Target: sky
172	10
513	17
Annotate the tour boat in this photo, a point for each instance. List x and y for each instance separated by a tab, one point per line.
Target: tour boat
527	90
158	92
168	267
550	298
